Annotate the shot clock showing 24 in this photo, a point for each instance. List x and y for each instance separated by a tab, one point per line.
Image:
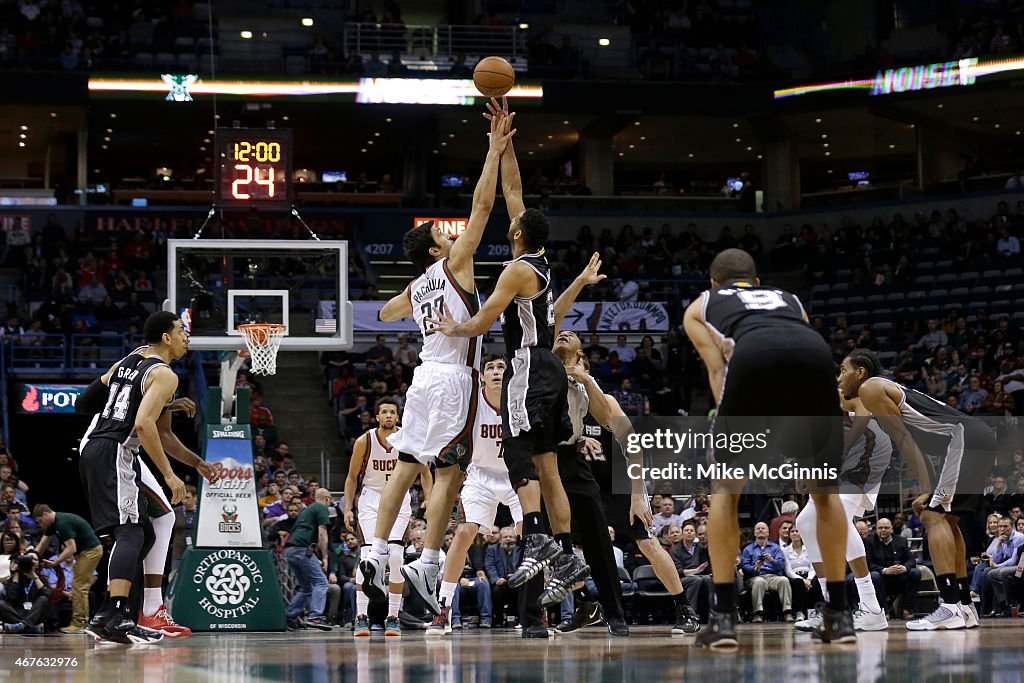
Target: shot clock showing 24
254	168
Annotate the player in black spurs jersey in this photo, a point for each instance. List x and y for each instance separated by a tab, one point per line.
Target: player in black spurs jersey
140	386
906	416
533	396
755	339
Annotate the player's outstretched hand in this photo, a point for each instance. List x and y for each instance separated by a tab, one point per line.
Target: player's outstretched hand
501	132
206	471
590	274
183	405
177	487
494	110
348	520
443	323
640	509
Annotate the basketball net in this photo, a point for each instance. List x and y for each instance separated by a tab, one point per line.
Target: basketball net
263	340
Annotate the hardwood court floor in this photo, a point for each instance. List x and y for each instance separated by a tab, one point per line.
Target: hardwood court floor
994	652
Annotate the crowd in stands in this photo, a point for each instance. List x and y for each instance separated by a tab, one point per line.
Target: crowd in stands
77	35
986	29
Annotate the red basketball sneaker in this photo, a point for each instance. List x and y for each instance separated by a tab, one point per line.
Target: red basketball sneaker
163	623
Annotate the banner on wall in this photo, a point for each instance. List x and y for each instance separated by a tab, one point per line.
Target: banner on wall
47	399
625	316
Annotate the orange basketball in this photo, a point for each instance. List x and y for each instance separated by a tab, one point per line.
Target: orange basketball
493	76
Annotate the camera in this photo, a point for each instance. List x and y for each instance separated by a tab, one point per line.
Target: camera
23	564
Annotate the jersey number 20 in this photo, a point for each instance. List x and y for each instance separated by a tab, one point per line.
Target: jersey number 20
761	300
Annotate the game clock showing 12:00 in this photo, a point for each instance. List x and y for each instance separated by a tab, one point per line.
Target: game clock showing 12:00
254	167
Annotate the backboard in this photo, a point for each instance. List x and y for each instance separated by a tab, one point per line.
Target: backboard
217	285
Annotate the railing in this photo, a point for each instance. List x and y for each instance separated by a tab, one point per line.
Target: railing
507	41
78	354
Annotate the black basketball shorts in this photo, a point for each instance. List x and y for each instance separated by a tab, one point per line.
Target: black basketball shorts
113	484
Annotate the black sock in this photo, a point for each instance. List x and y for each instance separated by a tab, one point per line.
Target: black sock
121	604
836	595
965	591
948	588
564	540
579	596
680	599
532	524
725	597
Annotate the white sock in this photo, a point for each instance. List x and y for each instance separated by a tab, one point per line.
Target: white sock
431	556
394	604
866	590
447	593
823	582
362	603
152	599
379	546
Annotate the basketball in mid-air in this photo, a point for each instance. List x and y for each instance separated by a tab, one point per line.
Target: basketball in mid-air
493	76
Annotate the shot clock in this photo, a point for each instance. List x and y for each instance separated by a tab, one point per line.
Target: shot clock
254	168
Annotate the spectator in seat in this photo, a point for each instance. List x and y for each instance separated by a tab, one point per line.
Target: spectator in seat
596	347
666	516
273	493
501	560
899	526
277	512
279	532
633	403
788	513
259	414
1003	568
972	398
694	566
800	571
77	541
20	487
764	568
405	354
626	353
26	599
379	351
1008	246
889	556
931	339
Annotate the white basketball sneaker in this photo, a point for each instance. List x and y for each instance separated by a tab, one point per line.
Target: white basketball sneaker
970	613
866	620
945	616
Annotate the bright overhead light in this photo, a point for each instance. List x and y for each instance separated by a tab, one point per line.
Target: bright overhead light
24	127
436	152
997	125
643	138
387	120
202	149
622	154
307	21
632	146
369	142
206	140
892	146
209	132
940	106
246	35
825	144
1017	132
451	135
636	123
565	123
53	114
690	155
284	118
540	144
760	156
975	118
604	42
110	130
363	150
828	154
23	136
103	147
465	120
830	171
106	139
113	116
551	137
817	120
523	26
739	139
21	144
750	149
824	136
444	144
376	135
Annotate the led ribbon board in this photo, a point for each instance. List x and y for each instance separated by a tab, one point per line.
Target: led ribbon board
961	73
184	88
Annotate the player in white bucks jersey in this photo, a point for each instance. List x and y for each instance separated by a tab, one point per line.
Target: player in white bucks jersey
955	492
373	462
486	487
867	451
534	418
441	403
755	339
140	386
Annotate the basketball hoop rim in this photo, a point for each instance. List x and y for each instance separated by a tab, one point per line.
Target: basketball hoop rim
269	329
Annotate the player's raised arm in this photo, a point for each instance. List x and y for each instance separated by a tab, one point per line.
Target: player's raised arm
160	389
710	353
398	307
514	279
511	179
589	276
460	258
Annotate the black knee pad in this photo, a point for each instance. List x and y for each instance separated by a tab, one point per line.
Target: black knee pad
127	551
149	537
521	470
